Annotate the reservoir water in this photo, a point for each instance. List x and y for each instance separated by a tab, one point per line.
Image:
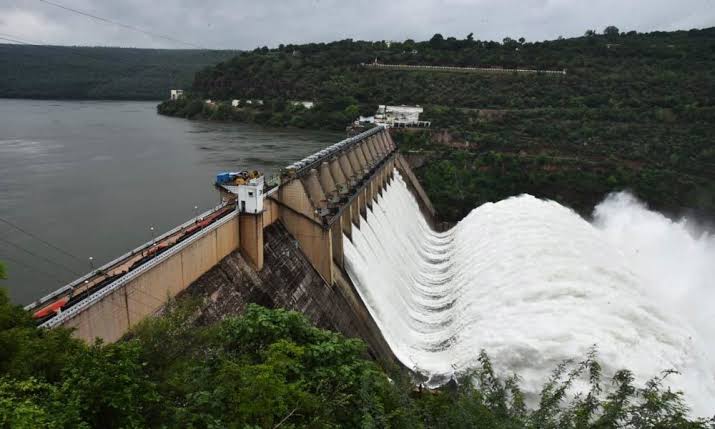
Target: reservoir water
92	178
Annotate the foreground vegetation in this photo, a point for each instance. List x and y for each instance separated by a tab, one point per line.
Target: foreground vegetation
633	112
271	368
69	72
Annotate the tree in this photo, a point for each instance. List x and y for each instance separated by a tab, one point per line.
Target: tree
590	33
611	31
470	37
26	351
351	112
193	108
26	404
107	386
272	368
436	40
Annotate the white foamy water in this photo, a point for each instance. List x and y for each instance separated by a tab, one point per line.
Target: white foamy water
533	283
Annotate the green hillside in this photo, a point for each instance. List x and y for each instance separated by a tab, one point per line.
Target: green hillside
661	69
633	111
99	72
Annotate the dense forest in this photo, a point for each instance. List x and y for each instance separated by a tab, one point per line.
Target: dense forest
66	72
633	111
573	156
271	368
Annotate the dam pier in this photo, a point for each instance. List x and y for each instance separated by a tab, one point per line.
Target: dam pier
278	244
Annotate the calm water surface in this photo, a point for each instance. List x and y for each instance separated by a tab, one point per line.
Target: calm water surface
92	177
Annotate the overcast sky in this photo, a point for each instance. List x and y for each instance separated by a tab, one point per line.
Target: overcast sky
243	24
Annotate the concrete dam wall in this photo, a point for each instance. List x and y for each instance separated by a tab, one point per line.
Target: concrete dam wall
146	291
302	259
285	248
289	281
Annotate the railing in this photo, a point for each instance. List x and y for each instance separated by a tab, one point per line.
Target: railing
115	261
311	161
97	296
461	69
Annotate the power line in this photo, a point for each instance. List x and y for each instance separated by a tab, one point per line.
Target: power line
15	41
14	38
43	241
120	24
31	253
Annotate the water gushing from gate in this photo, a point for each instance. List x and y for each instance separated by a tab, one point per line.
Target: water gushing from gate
533	283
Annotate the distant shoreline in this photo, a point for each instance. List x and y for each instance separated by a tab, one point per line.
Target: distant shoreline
79	99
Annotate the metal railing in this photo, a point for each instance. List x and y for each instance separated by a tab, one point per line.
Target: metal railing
119	259
311	161
97	296
462	69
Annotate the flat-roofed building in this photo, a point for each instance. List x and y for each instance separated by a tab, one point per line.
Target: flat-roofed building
175	94
400	116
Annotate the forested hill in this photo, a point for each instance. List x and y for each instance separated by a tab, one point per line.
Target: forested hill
31	71
664	69
634	111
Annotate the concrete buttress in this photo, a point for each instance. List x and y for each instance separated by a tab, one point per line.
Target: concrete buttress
366	153
315	191
326	179
360	155
346	166
341	182
370	144
379	145
354	164
251	238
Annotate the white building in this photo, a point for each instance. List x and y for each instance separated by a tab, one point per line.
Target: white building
400	116
246	102
250	196
176	94
306	104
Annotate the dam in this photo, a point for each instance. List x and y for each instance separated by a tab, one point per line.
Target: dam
282	241
346	236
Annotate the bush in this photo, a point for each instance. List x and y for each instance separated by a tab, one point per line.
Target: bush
271	368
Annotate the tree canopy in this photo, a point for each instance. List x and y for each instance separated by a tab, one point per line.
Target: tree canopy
272	368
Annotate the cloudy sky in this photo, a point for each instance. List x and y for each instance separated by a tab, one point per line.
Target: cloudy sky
245	24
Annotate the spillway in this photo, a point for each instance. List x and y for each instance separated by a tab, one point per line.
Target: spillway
531	283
